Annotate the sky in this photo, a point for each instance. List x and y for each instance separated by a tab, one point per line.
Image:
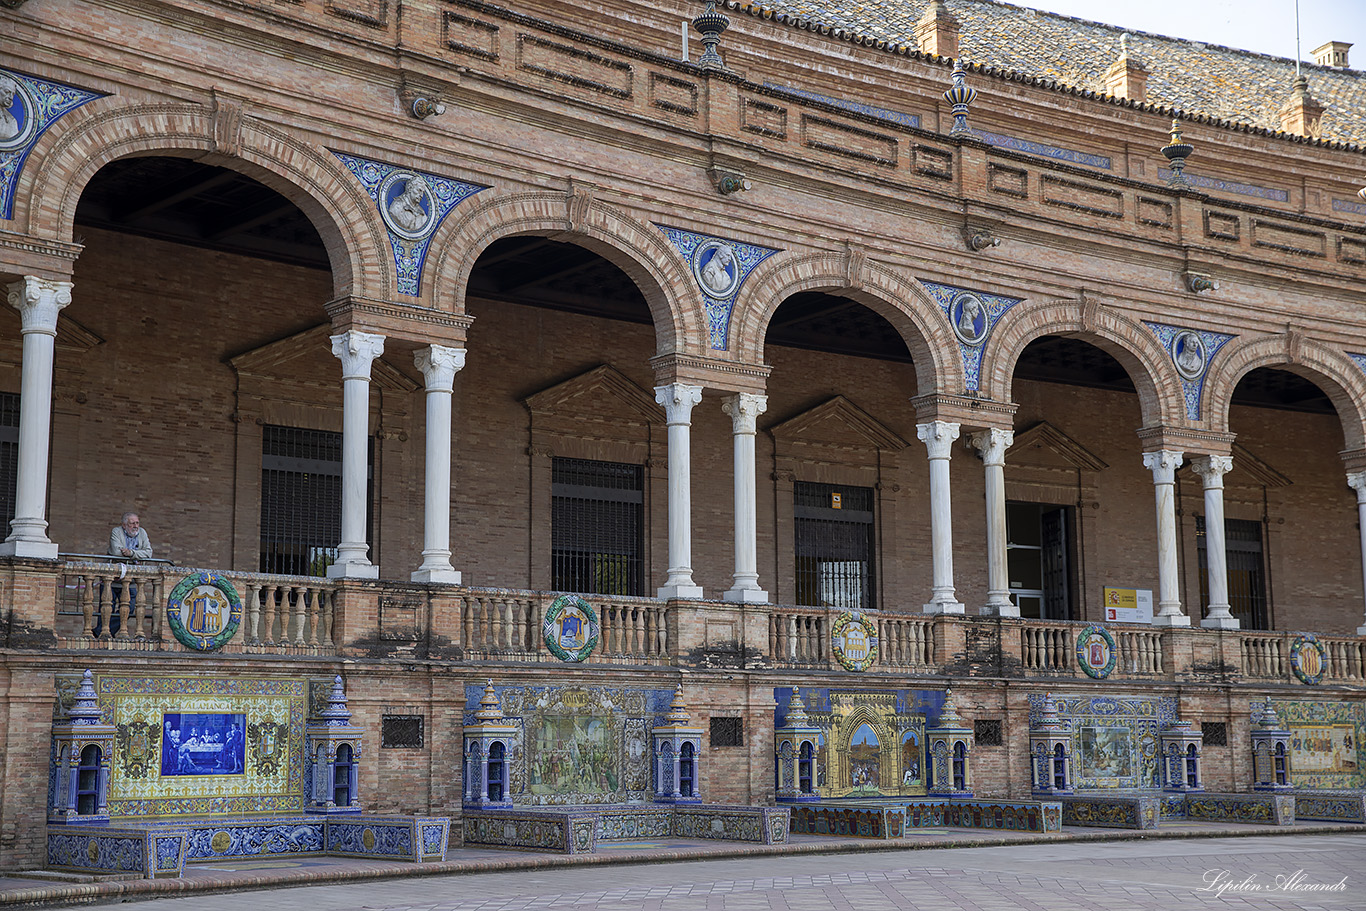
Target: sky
1266	26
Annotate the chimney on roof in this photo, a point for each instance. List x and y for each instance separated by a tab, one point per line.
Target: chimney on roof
936	32
1301	114
1127	77
1333	54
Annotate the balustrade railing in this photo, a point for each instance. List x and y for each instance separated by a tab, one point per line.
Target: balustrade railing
799	636
1265	655
1346	659
1047	648
1140	652
123	606
906	641
507	625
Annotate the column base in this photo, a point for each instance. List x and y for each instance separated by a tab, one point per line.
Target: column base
353	571
680	593
437	576
1009	609
945	607
1361	630
746	595
1171	620
1216	622
31	550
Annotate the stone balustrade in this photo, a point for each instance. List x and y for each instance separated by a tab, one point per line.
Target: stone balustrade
57	605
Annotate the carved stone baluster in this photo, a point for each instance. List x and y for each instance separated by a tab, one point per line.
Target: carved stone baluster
88	606
300	600
662	619
268	611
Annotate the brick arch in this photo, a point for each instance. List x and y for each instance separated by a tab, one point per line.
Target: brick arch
1336	374
78	145
1131	343
638	249
899	299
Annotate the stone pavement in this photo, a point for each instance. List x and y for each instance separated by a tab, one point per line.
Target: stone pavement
1084	869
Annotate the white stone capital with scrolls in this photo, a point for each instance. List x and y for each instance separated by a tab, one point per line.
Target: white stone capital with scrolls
991	444
744	409
1163	464
1357	481
357	351
38	301
678	400
1212	469
439	365
938	437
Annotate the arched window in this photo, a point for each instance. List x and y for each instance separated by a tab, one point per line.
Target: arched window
497	766
341	776
960	766
1280	764
686	770
1060	767
805	765
1192	767
88	781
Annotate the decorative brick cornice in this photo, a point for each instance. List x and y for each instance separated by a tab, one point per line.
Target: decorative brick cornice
1188	440
972	413
424	325
711	373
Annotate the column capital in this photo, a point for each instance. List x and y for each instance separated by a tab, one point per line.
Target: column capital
1357	481
1212	469
1163	464
678	400
357	351
991	444
439	365
38	301
744	409
938	437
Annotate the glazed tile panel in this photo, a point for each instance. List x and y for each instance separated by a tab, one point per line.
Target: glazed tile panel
98	849
848	821
1116	812
1344	807
1275	809
1022	816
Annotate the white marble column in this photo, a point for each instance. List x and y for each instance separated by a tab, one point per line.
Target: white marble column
1163	465
38	302
744	410
992	445
439	365
938	437
1357	481
1211	470
357	351
678	401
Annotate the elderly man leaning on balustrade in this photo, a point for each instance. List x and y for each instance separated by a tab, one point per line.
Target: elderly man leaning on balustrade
128	541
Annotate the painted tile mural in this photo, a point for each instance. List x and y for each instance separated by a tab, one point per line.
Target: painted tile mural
1325	743
204	746
1114	738
872	743
578	745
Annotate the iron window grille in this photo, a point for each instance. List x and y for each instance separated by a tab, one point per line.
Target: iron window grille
987	732
1214	733
834	542
401	732
597	519
727	732
1246	570
9	455
301	492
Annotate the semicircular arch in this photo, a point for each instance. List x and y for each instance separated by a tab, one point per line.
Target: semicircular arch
1336	374
73	151
646	257
1136	348
893	296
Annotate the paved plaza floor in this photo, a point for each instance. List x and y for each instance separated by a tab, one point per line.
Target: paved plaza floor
1307	870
